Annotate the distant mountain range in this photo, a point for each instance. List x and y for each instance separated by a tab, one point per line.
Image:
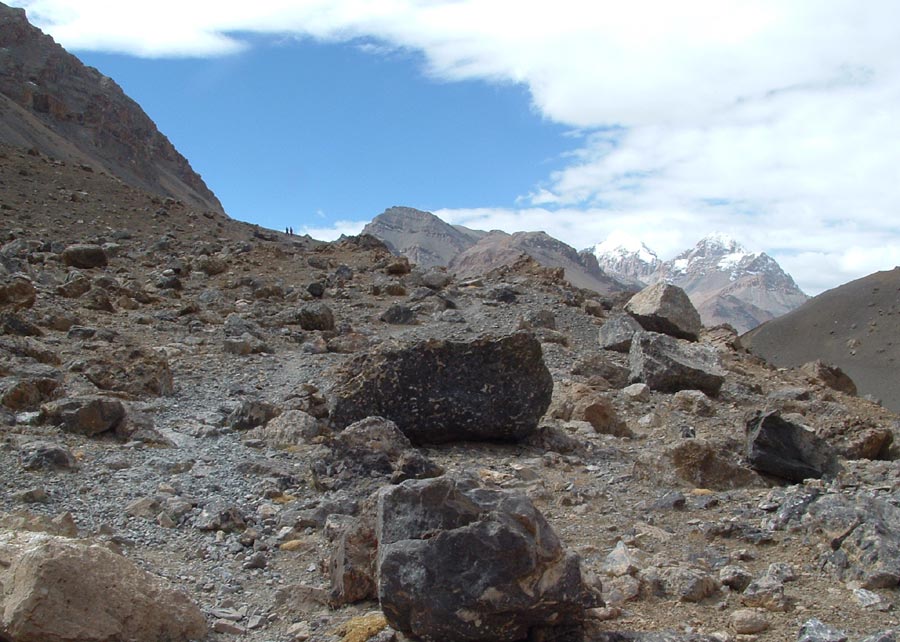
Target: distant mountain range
854	326
726	282
53	103
428	241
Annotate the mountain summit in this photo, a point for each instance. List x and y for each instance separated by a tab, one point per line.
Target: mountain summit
726	282
51	102
428	241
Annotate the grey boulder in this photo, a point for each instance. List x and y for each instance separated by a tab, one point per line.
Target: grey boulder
618	331
667	364
665	308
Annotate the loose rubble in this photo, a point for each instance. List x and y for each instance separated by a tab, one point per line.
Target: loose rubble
234	419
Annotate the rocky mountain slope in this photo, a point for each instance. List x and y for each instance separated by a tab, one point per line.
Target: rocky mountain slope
428	241
854	326
420	236
726	283
175	387
53	103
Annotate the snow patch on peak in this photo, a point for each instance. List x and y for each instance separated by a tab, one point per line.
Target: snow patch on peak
722	242
623	244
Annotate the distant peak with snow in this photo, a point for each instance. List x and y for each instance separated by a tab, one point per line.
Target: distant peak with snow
626	257
727	282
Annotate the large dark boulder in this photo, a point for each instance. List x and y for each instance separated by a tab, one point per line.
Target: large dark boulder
487	389
787	450
464	563
669	365
665	308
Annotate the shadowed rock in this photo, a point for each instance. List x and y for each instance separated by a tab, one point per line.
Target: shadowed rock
788	451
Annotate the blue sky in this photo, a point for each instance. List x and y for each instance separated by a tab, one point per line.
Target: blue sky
774	122
301	133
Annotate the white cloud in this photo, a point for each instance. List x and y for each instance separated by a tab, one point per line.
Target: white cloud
334	231
775	121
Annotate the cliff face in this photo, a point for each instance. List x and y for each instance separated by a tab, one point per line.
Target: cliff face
52	102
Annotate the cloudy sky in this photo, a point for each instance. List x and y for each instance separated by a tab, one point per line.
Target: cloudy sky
775	121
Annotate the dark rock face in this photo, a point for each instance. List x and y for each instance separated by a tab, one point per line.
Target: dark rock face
458	562
487	389
667	309
788	451
669	365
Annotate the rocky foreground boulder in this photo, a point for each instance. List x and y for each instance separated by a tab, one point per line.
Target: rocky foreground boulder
460	562
487	389
54	589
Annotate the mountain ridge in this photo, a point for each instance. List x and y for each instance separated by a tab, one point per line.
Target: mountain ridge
50	101
428	241
726	282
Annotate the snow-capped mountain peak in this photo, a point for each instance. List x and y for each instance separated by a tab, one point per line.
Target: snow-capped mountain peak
624	245
626	258
726	281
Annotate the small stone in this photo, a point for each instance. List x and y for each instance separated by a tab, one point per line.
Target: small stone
34	496
299	632
766	593
748	622
622	561
257	560
870	600
224	626
735	577
816	631
637	392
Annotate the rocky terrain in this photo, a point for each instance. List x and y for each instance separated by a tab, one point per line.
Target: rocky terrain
428	241
854	326
187	421
52	102
727	283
